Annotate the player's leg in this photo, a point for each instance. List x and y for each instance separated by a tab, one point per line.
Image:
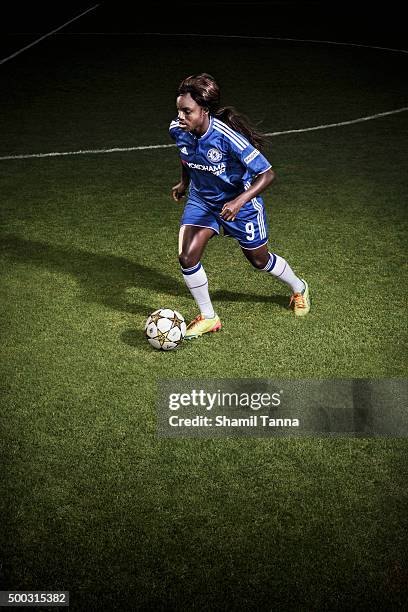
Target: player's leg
263	260
251	230
192	243
278	267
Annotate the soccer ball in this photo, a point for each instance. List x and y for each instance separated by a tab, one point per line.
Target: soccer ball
165	329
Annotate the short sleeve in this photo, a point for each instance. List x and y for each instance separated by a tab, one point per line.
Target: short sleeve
174	126
242	150
252	159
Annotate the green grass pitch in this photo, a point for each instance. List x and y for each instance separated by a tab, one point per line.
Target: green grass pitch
92	501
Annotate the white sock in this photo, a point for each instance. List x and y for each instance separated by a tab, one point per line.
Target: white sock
196	280
279	267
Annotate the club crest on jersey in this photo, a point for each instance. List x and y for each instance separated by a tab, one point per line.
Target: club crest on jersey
214	155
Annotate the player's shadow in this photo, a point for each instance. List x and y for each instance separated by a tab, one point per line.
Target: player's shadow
105	279
222	295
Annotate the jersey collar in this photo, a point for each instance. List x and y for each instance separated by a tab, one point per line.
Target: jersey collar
207	133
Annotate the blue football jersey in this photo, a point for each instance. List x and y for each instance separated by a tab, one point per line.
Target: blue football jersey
222	163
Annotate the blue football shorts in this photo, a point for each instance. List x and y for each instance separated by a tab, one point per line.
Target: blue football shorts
249	227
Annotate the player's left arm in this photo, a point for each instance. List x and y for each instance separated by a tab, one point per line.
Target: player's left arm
262	181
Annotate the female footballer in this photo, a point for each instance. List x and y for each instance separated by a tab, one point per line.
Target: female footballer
226	173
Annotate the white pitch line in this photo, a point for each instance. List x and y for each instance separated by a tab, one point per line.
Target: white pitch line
5	59
340	123
86	151
166	146
308	40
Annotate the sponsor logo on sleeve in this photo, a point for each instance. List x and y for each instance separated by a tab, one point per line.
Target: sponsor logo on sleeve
251	156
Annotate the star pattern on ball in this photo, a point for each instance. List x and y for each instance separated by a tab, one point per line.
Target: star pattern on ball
161	329
161	337
155	317
176	321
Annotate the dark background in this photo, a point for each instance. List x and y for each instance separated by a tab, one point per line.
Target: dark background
348	21
91	502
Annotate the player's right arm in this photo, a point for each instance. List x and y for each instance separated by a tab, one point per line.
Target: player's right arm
179	190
